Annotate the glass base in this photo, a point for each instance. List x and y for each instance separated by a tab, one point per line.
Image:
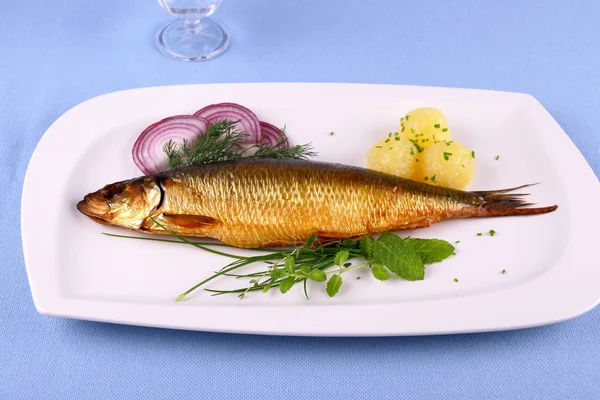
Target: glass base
193	40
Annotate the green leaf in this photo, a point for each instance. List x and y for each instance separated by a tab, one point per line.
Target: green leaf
276	273
286	284
317	275
266	288
305	270
181	297
290	265
333	285
380	273
399	256
366	247
341	257
431	250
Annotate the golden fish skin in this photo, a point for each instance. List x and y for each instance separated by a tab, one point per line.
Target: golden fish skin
268	202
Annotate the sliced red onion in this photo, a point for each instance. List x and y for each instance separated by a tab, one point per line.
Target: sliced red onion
248	122
271	135
148	150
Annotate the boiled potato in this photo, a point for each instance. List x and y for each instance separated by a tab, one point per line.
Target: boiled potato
393	155
425	126
448	164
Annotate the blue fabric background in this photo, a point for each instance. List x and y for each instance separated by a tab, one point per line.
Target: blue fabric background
56	54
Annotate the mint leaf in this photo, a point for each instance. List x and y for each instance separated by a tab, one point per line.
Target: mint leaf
399	256
366	247
341	257
333	285
317	275
432	250
286	284
290	265
380	273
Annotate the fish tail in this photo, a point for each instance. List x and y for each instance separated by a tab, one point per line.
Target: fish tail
498	203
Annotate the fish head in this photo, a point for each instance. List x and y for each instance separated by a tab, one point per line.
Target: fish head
127	204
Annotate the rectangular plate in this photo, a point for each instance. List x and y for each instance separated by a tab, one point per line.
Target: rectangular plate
74	271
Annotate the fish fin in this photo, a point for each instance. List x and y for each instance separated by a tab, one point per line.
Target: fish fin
497	203
337	235
190	221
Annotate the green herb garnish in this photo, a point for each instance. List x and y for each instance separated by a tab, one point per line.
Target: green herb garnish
455	280
447	155
445	130
473	153
319	262
479	234
437	126
416	143
503	271
222	142
492	232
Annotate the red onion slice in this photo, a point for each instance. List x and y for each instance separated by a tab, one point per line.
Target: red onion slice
271	135
148	150
248	122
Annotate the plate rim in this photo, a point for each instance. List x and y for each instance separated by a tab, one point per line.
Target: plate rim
52	303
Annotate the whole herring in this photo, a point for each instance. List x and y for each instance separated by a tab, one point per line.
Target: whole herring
274	202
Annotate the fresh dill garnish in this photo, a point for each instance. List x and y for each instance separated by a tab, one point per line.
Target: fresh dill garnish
437	126
445	130
222	142
492	232
473	153
479	234
447	155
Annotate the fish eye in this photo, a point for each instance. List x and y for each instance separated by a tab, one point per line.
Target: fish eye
111	191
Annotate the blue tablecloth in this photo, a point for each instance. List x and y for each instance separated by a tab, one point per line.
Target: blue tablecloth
56	54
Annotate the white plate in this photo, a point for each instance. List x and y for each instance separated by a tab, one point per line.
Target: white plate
552	272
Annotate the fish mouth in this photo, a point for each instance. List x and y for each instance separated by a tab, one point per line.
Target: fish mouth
87	208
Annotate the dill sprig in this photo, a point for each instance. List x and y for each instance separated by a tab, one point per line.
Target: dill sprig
223	142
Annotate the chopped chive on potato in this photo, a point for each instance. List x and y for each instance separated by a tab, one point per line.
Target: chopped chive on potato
393	155
425	126
448	164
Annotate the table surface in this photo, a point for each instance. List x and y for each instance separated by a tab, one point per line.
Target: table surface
56	54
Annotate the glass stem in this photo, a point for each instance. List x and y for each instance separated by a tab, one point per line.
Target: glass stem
192	25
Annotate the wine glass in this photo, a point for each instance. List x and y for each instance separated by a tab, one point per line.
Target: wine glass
192	36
